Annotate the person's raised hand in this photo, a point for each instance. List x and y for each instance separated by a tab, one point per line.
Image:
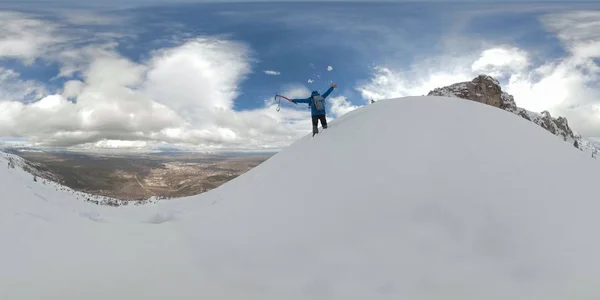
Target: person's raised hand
334	86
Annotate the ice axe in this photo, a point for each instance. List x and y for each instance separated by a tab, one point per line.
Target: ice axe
279	103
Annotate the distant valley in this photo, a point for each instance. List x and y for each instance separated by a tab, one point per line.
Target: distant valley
141	176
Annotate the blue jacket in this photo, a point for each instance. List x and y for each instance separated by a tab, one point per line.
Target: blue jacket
310	102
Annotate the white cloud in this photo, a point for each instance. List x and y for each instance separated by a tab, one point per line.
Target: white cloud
184	95
74	60
296	91
500	62
26	38
568	86
271	72
86	17
181	96
388	83
72	88
579	31
117	144
178	96
198	79
340	106
12	87
329	68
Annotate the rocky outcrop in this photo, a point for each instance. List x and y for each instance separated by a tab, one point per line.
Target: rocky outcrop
485	89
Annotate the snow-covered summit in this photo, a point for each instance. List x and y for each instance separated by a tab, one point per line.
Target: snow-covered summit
371	208
486	89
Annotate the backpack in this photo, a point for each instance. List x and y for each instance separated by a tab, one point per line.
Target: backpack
319	102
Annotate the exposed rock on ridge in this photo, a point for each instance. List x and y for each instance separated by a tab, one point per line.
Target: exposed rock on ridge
485	89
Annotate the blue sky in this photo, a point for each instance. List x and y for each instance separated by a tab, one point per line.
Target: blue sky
141	75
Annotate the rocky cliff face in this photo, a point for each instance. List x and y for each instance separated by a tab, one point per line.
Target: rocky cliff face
487	90
484	89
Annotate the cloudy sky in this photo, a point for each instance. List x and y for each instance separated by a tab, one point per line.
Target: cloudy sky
152	75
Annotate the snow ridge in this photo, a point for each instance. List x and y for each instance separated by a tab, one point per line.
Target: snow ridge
36	169
41	175
390	216
487	90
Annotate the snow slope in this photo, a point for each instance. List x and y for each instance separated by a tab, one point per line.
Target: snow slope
486	89
373	208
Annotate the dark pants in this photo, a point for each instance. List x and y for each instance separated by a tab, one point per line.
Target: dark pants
315	123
